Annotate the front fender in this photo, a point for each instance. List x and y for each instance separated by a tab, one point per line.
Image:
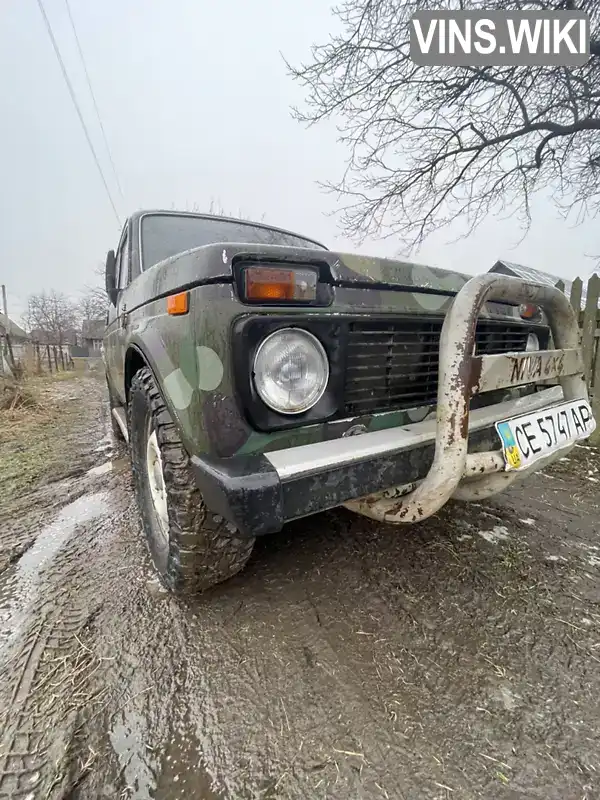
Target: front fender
191	358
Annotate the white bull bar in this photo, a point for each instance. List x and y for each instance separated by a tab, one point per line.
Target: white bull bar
455	473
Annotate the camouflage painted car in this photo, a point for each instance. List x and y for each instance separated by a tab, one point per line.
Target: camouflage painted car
259	377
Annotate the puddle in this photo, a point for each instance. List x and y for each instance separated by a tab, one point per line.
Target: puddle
127	738
116	465
19	583
103	469
170	772
181	774
104	443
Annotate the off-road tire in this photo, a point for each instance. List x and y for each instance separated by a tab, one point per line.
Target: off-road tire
112	402
203	549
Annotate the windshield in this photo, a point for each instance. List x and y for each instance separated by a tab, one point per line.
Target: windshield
165	235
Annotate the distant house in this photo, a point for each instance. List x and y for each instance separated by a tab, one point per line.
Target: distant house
537	276
71	336
92	333
17	335
18	339
42	338
67	338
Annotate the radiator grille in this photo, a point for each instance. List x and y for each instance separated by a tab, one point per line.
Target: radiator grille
394	365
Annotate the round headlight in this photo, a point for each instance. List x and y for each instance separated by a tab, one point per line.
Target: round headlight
533	343
291	370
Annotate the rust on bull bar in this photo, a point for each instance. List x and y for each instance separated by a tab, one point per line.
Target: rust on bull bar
462	374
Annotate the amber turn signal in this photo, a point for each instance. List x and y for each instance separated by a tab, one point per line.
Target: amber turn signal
529	311
178	303
273	284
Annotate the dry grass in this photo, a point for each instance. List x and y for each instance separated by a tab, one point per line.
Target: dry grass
67	684
16	395
69	693
32	418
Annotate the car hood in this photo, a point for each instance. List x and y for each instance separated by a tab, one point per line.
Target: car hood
348	269
216	261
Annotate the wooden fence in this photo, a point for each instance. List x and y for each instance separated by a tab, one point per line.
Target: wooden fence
589	322
35	358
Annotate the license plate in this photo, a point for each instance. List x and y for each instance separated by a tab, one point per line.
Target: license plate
528	438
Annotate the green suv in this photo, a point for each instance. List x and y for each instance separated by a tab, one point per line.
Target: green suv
259	377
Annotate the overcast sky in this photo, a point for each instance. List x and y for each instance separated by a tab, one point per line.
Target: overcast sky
195	101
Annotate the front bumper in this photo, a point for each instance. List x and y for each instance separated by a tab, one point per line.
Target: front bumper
408	473
260	493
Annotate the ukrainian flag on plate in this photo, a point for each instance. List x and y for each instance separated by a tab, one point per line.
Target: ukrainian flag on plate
511	451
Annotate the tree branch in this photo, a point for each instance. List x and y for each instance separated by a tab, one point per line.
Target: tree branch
428	145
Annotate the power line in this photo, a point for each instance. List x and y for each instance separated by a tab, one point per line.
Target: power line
76	104
89	83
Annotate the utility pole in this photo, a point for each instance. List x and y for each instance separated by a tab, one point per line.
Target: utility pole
5	314
11	358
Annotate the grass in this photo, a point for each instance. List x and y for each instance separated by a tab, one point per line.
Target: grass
15	394
31	435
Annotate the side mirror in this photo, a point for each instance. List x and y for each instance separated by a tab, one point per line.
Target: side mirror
111	277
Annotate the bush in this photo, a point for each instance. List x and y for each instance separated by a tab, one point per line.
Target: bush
14	394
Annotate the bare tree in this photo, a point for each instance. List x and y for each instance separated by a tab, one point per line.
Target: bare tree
53	313
216	208
94	304
430	145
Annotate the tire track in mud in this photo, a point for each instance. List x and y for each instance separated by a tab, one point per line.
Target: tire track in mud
49	598
47	685
302	651
349	660
293	668
366	663
311	701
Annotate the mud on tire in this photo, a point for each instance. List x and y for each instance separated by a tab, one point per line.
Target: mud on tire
202	549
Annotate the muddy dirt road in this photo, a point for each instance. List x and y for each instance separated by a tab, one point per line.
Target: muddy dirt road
456	659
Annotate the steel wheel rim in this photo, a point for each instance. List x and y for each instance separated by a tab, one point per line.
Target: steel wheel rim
156	482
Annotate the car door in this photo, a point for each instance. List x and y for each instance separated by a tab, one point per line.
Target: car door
123	281
116	333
